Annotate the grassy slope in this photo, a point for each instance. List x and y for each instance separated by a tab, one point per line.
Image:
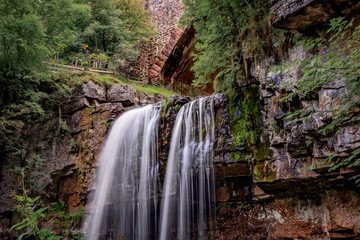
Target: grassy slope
109	80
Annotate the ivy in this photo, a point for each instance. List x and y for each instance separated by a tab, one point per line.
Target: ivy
245	122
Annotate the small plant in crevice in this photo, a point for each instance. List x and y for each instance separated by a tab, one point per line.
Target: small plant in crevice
108	123
163	109
75	146
31	216
33	220
31	170
63	220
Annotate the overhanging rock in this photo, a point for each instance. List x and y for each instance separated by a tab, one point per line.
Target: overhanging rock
303	14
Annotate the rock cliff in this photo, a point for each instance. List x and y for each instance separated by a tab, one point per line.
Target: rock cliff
289	199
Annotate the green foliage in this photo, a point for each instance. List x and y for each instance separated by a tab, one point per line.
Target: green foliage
33	31
338	59
22	45
116	28
64	21
228	33
163	109
31	216
59	216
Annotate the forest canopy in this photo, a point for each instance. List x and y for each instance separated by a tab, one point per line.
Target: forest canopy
36	33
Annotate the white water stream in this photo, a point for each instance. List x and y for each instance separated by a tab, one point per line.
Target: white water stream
126	184
128	195
189	195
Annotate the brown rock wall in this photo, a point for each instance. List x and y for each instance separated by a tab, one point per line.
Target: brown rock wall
288	199
331	215
176	70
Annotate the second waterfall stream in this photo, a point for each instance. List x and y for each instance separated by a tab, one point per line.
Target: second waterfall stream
131	202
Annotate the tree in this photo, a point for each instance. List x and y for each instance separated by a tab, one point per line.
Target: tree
117	27
227	32
22	38
64	20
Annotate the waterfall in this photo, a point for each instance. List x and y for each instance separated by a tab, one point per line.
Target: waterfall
189	195
125	202
128	192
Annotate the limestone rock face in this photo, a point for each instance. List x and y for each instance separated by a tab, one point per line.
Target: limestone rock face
297	145
169	109
94	91
84	96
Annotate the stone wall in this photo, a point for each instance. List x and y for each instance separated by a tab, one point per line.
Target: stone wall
165	14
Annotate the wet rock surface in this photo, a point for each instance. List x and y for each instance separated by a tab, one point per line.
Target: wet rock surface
169	109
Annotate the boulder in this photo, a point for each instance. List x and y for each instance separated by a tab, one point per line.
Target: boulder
124	94
89	94
94	91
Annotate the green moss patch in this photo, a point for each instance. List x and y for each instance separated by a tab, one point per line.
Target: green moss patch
245	121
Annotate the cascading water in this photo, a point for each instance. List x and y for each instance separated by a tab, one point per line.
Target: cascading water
125	202
128	190
189	196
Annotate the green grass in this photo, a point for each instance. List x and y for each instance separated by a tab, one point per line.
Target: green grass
108	81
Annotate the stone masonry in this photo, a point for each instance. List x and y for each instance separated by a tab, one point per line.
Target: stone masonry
165	14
